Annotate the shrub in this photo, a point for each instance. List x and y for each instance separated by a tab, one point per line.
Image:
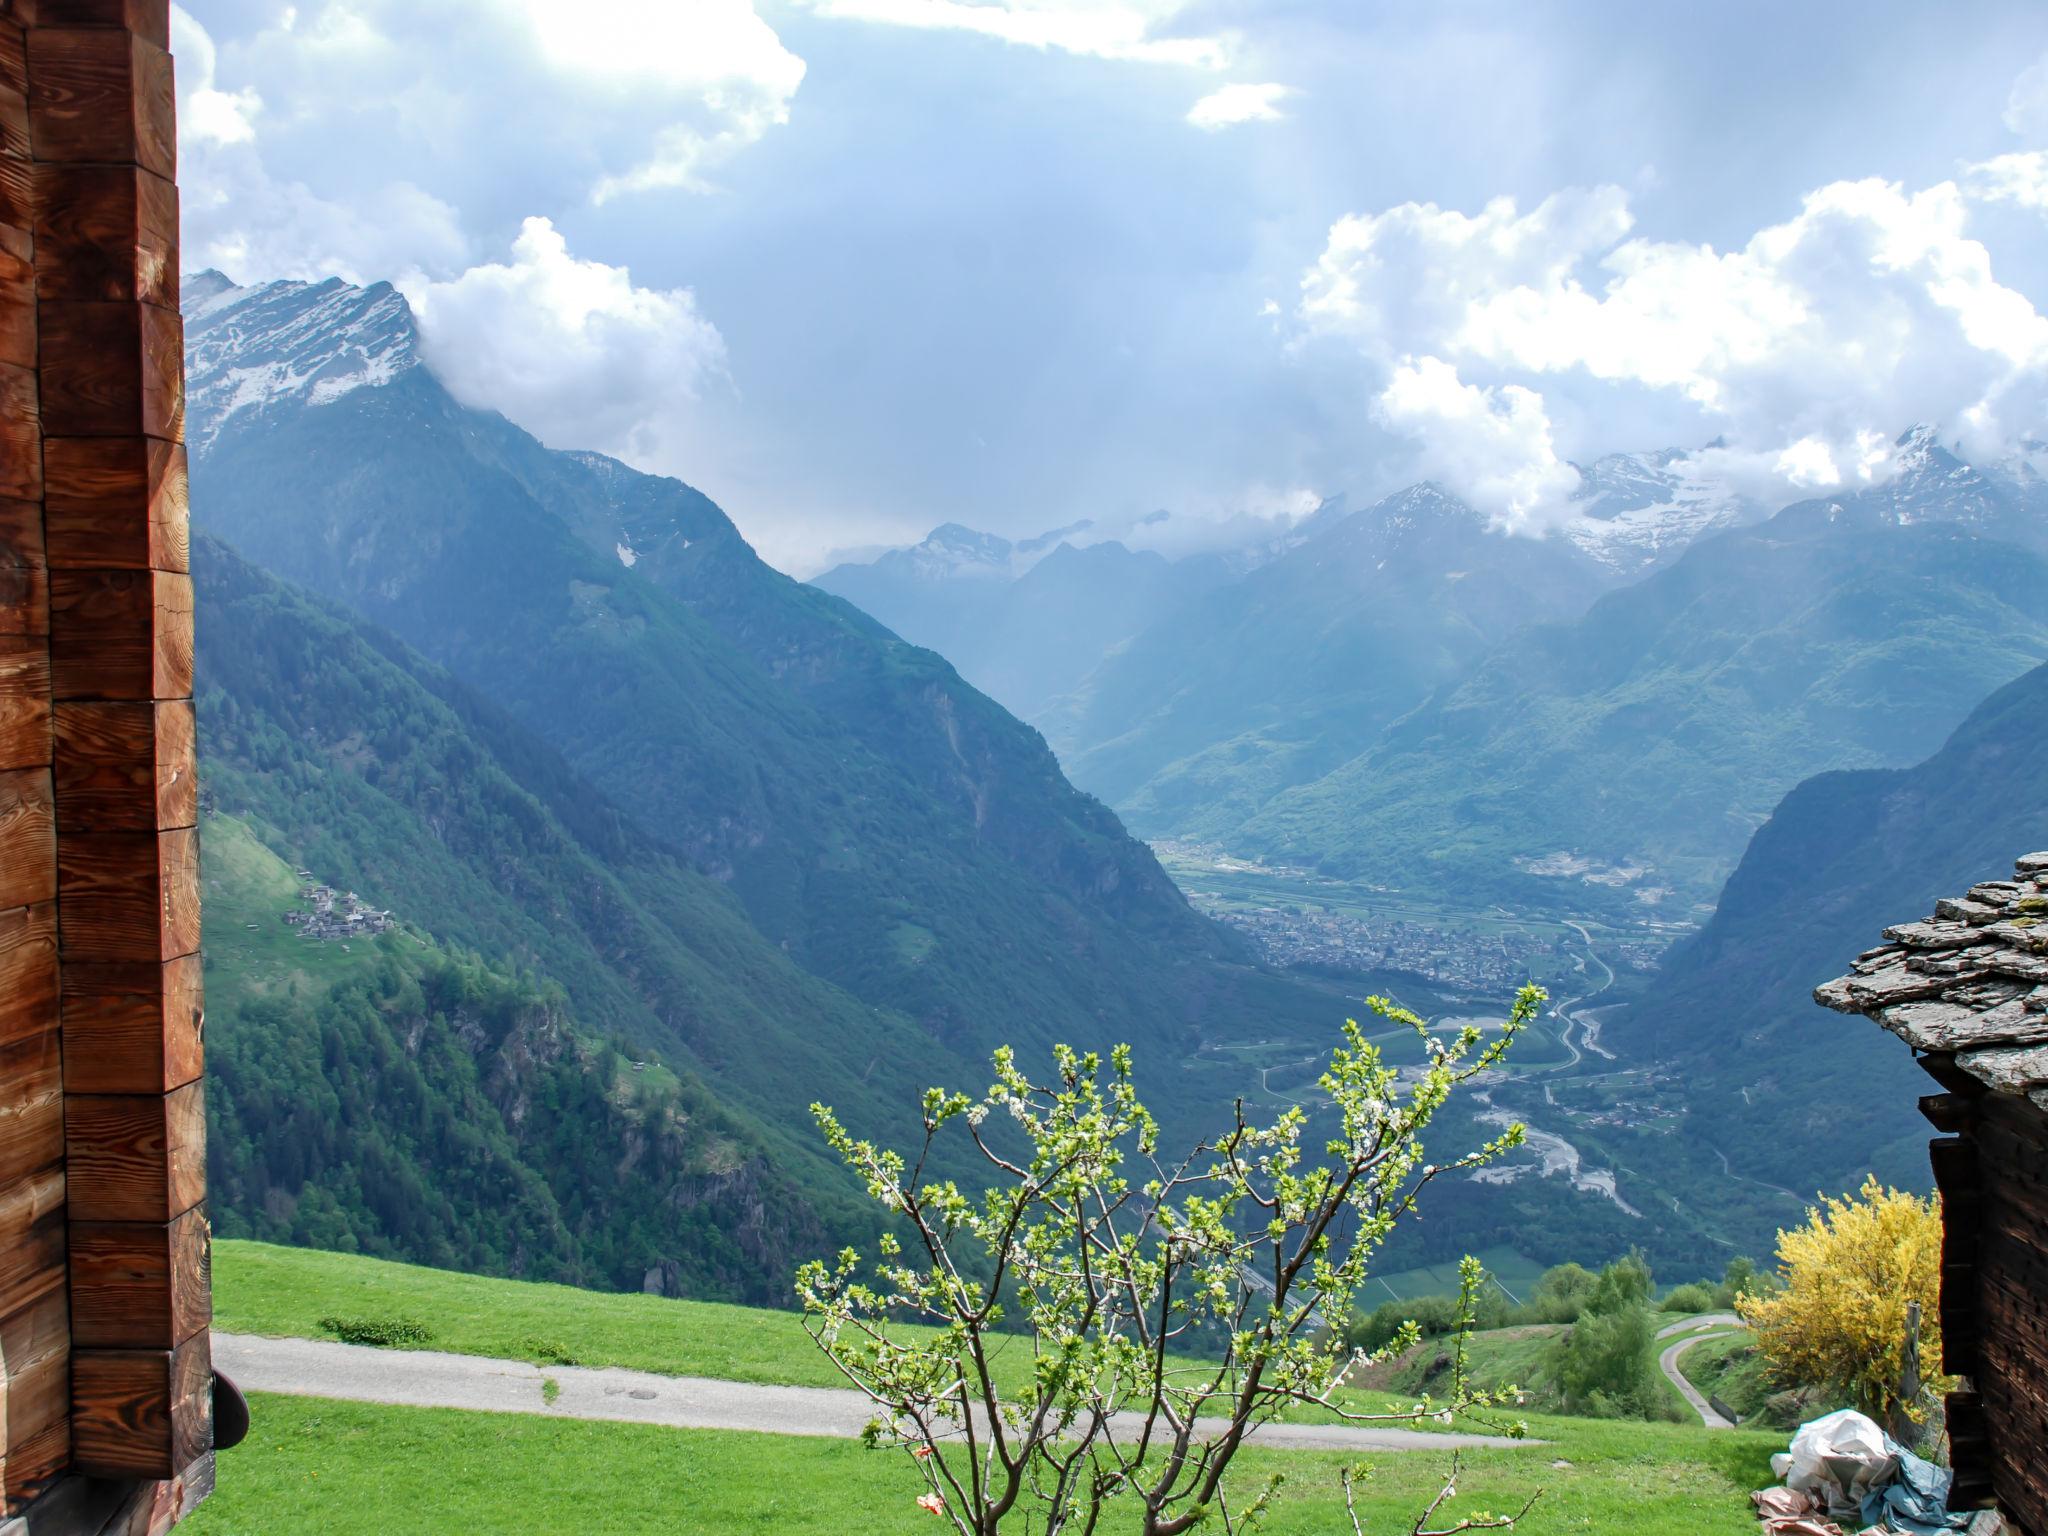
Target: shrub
385	1332
1848	1275
1560	1296
1605	1365
546	1351
1696	1297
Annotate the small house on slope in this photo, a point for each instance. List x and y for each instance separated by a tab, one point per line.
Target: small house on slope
1967	989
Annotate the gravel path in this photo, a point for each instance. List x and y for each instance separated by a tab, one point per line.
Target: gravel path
422	1379
1668	1364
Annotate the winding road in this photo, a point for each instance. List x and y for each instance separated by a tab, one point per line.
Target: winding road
425	1379
1696	1330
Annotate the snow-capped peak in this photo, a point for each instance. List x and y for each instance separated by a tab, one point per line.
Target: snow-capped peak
247	349
1639	511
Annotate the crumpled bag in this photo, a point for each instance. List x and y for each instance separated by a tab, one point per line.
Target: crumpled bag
1840	1460
1916	1502
1786	1512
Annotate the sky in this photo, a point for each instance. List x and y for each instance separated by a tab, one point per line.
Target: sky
859	267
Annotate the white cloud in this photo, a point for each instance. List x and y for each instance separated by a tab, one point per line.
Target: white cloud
1105	29
206	114
1870	309
240	218
2020	178
568	348
1240	103
1493	445
717	59
2026	107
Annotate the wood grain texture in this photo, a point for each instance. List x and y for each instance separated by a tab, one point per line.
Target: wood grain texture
101	96
110	369
138	1157
106	232
117	503
35	1466
28	838
14	52
21	434
142	1413
128	896
125	766
24	600
17	287
136	1041
120	634
24	702
28	970
17	178
140	1285
35	1360
21	533
32	1230
32	1106
149	18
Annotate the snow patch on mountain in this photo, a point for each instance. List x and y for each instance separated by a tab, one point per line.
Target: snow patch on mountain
1641	511
250	349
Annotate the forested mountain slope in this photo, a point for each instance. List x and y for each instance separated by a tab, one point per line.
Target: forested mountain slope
1791	1092
1659	729
884	826
477	1079
1284	675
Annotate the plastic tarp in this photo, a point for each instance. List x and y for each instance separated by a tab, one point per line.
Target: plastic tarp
1856	1472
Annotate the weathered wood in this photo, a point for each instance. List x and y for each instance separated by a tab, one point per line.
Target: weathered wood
120	634
21	434
28	838
32	1109
21	533
130	896
35	1359
24	702
33	1466
14	54
140	1285
117	503
106	232
150	19
111	369
24	600
28	970
125	766
142	1413
136	1041
101	96
17	288
32	1225
138	1157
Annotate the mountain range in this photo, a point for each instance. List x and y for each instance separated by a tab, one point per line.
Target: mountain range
1593	720
559	713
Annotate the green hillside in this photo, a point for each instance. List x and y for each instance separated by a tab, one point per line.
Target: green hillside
1843	857
889	830
1659	730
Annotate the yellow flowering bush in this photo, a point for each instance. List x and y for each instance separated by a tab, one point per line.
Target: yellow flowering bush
1838	1320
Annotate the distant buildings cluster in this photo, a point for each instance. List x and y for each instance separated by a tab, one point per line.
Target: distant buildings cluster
332	914
1498	963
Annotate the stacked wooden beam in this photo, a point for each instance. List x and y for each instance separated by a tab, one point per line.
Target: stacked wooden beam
104	1296
35	1327
1968	990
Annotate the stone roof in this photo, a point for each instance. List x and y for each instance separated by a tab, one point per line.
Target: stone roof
1971	981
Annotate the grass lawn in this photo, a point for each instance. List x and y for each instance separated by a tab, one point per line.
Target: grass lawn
313	1464
349	1469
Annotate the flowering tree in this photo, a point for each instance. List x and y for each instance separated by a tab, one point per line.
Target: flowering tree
1167	1311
